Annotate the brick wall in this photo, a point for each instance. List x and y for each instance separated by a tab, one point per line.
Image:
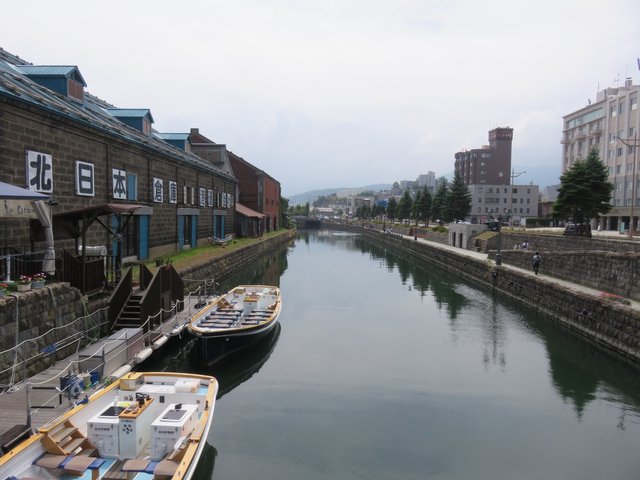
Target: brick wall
29	128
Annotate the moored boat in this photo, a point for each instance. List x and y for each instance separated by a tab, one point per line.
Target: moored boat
236	318
144	425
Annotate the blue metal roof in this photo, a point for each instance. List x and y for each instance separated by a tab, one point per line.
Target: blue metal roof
172	136
130	112
52	71
93	112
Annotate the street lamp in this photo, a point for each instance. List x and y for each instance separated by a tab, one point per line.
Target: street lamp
513	176
633	175
499	220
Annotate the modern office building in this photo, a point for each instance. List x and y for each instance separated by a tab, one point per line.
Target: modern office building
514	203
610	124
490	164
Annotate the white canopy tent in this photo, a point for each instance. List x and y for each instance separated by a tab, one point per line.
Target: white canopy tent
20	203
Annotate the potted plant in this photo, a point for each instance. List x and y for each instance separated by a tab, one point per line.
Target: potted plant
37	280
24	283
3	289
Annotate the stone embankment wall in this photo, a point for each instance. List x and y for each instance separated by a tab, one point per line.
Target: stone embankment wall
29	316
221	267
604	264
610	272
552	243
605	322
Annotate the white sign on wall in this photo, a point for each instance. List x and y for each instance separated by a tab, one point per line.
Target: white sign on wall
85	181
210	197
39	170
119	183
203	197
158	190
173	191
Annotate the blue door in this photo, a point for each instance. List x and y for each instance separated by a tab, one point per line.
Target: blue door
194	231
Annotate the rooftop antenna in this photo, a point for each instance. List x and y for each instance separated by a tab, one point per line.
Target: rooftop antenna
617	80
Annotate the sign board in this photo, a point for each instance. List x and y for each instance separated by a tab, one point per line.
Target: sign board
17	209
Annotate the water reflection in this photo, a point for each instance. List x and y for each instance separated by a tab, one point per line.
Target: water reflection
408	372
231	369
423	278
234	369
580	372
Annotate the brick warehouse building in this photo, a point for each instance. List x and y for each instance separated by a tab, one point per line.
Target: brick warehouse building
257	191
60	140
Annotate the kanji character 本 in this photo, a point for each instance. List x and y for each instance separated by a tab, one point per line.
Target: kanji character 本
119	184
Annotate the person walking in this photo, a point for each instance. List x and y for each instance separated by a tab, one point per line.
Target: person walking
536	262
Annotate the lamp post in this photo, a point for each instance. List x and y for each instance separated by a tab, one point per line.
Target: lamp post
499	220
633	175
514	175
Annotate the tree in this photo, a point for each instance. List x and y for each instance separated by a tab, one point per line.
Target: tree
438	205
458	199
425	205
585	191
404	207
392	208
415	208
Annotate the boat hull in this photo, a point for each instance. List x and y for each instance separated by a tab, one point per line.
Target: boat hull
121	427
236	320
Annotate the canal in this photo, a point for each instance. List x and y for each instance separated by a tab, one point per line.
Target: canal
382	369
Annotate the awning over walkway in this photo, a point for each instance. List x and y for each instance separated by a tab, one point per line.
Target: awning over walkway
247	212
74	223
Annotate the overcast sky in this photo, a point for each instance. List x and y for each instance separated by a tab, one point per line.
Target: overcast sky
344	93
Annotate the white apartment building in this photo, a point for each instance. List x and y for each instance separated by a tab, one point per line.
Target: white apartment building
428	180
516	202
610	124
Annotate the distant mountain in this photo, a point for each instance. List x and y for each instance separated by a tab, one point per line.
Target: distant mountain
311	196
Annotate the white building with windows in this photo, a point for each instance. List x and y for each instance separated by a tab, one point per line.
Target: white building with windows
610	124
516	202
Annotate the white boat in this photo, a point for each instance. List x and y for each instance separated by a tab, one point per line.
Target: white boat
220	241
236	318
142	426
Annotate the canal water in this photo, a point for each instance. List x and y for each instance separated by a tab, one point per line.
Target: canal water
384	369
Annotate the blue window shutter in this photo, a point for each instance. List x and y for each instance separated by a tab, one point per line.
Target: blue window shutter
132	186
180	232
143	229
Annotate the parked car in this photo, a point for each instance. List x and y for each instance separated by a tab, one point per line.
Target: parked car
577	229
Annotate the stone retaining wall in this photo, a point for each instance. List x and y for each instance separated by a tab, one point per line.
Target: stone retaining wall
222	267
51	311
610	272
554	243
605	322
609	265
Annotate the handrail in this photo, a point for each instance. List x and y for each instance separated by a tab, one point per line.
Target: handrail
150	303
145	276
119	297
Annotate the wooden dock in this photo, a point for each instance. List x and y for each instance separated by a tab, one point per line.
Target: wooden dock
45	402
